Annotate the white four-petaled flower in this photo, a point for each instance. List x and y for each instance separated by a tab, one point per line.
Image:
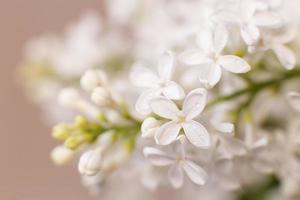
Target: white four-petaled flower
193	105
249	16
177	164
156	84
211	41
277	43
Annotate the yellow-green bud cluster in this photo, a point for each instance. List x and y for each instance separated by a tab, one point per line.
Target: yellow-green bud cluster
80	132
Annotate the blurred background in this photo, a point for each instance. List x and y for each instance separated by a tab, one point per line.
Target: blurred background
26	172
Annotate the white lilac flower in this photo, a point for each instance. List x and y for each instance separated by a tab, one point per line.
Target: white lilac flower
285	154
156	85
193	105
277	43
81	49
211	41
250	18
178	164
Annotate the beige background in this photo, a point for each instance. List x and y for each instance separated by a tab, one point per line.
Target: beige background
26	173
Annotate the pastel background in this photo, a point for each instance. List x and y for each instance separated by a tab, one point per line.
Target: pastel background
26	172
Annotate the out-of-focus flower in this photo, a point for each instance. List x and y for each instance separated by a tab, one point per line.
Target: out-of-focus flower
177	166
250	19
80	48
277	43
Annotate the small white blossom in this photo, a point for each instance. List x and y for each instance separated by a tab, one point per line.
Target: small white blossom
156	84
177	164
211	42
193	105
277	43
250	19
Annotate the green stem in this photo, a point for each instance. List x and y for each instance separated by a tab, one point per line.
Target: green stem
255	87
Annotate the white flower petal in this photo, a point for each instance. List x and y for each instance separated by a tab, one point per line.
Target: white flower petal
266	19
210	76
175	176
158	157
286	56
234	64
225	127
232	146
149	127
294	99
167	133
194	57
248	8
173	91
205	40
250	34
224	169
164	107
142	105
220	38
143	77
194	103
226	16
166	66
288	35
195	172
196	134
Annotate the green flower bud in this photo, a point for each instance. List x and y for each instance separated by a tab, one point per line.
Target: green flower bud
61	132
73	142
80	122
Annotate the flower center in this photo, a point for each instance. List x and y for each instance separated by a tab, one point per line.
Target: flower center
181	119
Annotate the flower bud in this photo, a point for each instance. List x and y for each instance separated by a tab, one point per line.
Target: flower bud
73	142
61	132
90	162
100	96
114	117
149	127
68	97
92	79
80	121
61	155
